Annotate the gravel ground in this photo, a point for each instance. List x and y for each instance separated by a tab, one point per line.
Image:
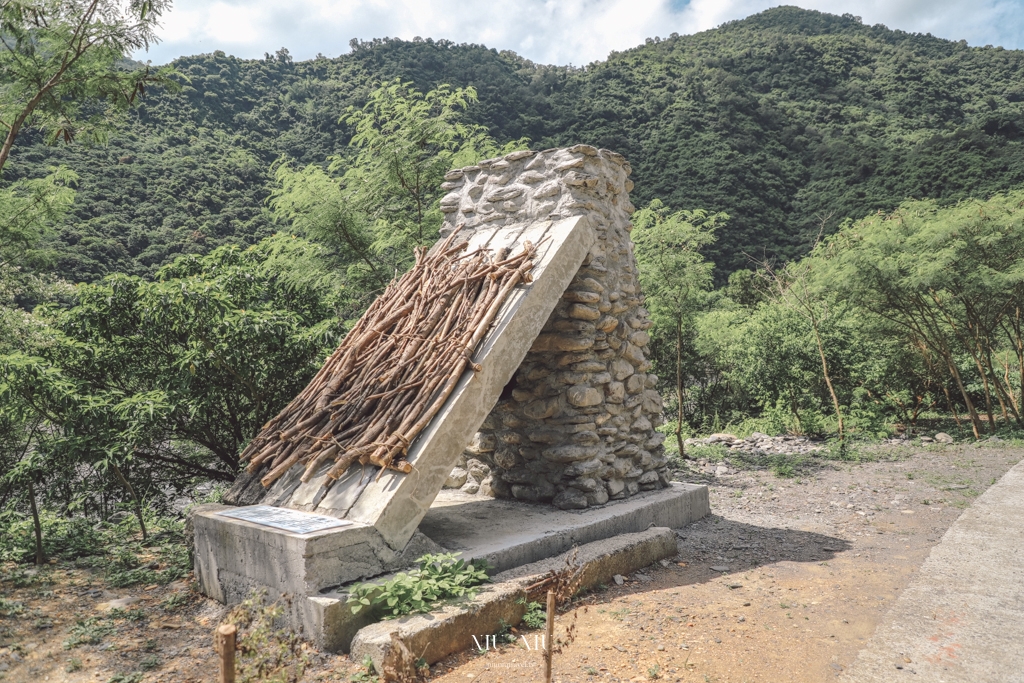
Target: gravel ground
785	581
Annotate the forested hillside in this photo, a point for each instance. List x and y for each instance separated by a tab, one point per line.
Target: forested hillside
785	120
165	293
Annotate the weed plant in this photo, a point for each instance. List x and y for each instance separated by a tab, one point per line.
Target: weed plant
116	549
439	577
266	654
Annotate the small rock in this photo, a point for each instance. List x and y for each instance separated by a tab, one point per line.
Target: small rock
927	439
720	568
570	499
741	620
665	563
457	479
618	579
943	437
118	517
120	603
734	586
477	469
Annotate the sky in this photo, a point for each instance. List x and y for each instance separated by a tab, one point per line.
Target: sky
560	32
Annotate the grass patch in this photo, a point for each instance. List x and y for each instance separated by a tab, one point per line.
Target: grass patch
118	550
11	608
89	631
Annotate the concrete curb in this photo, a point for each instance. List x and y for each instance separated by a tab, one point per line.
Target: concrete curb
451	629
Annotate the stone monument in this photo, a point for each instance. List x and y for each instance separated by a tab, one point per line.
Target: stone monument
561	410
576	424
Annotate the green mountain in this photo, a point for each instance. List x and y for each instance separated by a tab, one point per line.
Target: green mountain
789	120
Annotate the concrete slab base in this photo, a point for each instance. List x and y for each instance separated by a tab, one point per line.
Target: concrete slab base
509	533
234	557
472	623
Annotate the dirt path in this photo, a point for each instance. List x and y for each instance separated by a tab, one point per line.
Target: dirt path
784	582
810	567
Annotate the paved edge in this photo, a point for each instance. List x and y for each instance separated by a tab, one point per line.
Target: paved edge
438	634
961	620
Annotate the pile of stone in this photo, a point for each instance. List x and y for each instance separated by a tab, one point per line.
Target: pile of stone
761	444
471	476
904	439
576	425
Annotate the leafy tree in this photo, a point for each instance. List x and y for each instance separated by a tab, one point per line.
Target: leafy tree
952	279
406	141
792	287
372	208
59	56
28	208
159	384
674	277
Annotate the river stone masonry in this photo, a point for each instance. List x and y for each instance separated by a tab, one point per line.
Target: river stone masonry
576	425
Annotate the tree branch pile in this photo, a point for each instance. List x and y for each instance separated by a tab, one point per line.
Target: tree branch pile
394	370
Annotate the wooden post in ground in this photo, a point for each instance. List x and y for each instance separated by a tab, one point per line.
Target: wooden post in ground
549	640
224	643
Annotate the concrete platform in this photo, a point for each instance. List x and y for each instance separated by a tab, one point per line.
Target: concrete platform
962	619
465	623
510	534
234	556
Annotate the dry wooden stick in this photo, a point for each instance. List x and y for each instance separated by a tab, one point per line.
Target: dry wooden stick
395	368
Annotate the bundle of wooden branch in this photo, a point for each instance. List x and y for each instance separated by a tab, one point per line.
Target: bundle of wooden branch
395	368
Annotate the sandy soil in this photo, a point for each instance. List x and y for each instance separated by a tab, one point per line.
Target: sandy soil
784	582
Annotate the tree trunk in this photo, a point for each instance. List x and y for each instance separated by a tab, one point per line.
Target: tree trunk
40	555
135	498
988	395
828	379
975	420
679	388
952	408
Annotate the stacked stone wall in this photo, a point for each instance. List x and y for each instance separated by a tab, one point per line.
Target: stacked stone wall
576	425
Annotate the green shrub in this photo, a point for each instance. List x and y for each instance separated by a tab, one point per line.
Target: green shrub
438	577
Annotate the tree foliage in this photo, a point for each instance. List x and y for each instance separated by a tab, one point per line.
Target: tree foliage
154	384
61	56
778	120
675	279
374	205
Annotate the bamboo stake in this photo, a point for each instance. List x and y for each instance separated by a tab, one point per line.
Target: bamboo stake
224	644
549	637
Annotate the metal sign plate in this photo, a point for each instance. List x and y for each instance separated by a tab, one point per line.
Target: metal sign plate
283	518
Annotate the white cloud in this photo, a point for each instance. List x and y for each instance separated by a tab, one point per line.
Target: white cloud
546	31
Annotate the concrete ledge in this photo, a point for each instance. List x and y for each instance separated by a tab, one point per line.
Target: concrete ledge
510	534
451	629
961	620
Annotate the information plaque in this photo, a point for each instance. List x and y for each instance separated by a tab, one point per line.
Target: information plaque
286	519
